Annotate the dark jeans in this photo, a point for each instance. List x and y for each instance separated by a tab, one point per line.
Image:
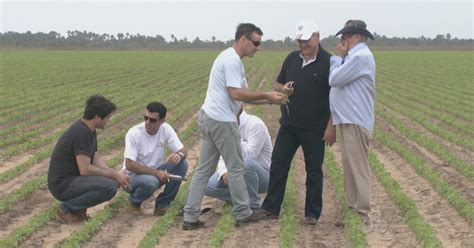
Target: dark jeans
287	142
87	191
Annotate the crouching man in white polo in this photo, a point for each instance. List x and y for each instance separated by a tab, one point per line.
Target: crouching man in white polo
144	160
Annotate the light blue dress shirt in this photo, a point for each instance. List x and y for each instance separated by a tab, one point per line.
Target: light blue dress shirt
352	81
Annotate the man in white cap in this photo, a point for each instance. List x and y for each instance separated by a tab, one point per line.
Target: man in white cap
352	79
305	121
257	151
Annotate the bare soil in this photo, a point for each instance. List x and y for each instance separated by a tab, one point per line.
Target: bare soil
126	230
396	233
449	174
451	229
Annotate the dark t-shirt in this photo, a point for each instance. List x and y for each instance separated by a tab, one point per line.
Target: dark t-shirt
63	168
309	104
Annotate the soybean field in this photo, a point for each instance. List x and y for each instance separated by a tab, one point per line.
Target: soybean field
421	154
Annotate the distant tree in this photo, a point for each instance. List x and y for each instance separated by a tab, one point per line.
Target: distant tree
438	40
84	39
160	39
439	37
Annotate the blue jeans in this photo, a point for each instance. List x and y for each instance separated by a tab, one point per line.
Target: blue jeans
256	177
87	191
143	186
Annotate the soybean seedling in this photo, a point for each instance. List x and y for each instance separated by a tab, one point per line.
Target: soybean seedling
286	100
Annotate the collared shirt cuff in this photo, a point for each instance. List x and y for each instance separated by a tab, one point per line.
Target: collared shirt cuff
336	60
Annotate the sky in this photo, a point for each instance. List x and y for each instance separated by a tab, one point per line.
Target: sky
205	19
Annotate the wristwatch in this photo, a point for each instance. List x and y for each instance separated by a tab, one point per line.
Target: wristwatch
181	154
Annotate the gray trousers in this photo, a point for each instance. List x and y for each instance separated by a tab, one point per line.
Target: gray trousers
218	139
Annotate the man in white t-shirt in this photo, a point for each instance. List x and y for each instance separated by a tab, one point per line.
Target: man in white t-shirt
257	152
144	160
219	130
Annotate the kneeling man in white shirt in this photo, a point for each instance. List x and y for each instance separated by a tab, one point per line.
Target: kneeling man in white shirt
257	151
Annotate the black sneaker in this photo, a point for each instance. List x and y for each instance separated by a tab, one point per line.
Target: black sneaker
188	226
254	217
310	221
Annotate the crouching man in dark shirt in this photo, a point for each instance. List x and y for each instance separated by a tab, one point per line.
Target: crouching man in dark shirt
78	177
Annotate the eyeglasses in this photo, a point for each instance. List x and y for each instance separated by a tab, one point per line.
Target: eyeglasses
152	120
256	43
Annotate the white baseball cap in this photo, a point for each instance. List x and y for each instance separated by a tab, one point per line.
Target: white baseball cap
305	29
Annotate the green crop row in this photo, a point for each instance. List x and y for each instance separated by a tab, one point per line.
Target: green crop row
289	217
438	149
462	206
91	65
424	233
352	221
120	88
426	122
132	108
432	100
20	234
430	111
91	226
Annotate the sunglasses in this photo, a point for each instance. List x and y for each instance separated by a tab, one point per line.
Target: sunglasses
152	120
256	43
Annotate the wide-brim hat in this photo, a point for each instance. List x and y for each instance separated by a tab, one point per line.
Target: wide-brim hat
355	27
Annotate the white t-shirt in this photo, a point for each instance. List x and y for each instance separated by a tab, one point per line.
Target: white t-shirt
148	149
227	71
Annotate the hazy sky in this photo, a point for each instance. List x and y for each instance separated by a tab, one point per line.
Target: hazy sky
277	19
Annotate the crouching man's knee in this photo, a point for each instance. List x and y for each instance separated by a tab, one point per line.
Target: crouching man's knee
110	188
182	168
250	165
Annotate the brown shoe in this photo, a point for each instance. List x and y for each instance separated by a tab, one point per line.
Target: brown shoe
265	215
82	215
159	211
133	210
310	221
66	218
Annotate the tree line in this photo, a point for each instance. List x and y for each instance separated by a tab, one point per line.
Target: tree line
84	39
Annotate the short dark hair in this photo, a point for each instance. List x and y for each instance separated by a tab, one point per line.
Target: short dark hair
246	29
157	107
98	105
